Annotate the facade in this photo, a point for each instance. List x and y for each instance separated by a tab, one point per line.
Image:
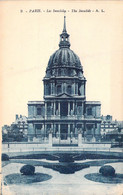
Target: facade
111	130
22	125
108	125
64	112
17	131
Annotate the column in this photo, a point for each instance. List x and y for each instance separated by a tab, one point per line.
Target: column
82	109
74	89
51	88
31	132
93	139
76	109
69	133
73	108
43	132
64	88
54	108
44	89
83	133
45	109
68	129
84	90
52	127
68	108
35	133
50	139
59	108
35	111
59	132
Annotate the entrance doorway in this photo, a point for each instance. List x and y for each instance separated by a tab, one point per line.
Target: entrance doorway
64	132
63	108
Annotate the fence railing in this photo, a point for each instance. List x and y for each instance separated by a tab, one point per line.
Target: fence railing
44	148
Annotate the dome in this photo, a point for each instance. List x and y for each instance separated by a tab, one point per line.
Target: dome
64	62
64	57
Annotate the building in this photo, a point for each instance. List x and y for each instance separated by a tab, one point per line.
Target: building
111	130
64	112
108	125
17	131
21	123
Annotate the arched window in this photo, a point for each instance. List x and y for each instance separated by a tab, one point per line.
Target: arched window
59	89
69	90
89	111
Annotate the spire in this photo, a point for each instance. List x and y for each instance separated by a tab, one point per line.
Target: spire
64	27
64	37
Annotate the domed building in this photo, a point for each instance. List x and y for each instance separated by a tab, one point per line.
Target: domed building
64	116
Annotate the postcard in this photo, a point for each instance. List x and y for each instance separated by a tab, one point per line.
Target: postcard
61	97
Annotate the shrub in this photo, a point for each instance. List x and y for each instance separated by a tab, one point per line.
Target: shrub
5	157
107	170
27	170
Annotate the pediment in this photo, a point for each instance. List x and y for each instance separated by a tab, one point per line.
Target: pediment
64	95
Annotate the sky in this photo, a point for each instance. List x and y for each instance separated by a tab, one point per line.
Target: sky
29	38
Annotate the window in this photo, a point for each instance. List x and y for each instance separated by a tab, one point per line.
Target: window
38	126
69	91
48	127
89	111
71	128
39	111
71	105
79	126
38	129
56	130
48	104
48	89
79	89
59	72
89	126
56	105
49	109
59	89
79	103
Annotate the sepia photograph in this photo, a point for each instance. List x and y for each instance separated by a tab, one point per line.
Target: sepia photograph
61	97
